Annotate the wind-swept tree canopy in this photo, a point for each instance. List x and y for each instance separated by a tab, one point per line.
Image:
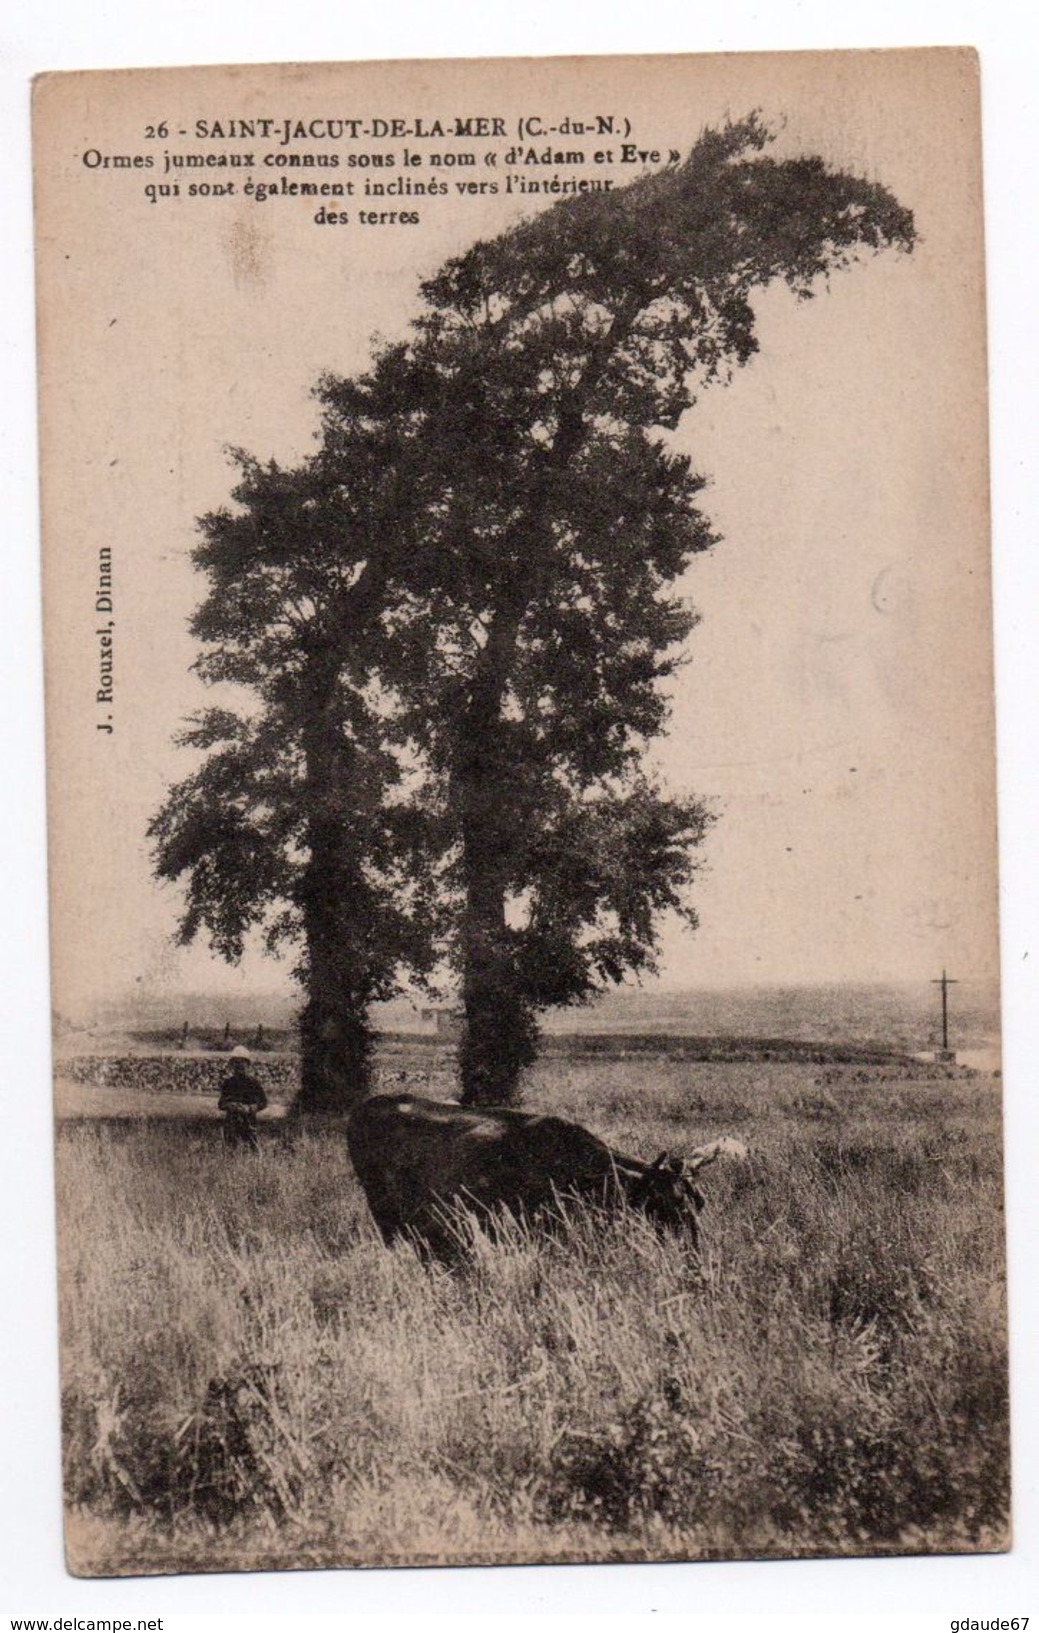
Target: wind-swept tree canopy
471	591
545	370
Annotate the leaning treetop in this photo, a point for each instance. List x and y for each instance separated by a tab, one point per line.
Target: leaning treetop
457	619
675	255
557	522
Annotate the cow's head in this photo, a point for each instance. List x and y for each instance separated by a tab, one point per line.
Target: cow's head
666	1194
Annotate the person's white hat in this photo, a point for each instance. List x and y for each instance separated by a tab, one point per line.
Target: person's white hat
240	1052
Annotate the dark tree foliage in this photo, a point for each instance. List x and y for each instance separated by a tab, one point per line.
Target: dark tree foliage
540	620
294	826
448	635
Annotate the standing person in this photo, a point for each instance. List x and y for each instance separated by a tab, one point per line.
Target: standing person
242	1098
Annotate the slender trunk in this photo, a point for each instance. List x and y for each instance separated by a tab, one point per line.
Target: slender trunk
335	1036
500	1028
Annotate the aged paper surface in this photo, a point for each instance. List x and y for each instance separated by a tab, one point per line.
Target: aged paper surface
250	1378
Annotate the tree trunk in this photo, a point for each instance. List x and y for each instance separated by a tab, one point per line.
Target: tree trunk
335	1036
500	1028
335	1058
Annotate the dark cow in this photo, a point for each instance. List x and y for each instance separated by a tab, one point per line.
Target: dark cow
419	1159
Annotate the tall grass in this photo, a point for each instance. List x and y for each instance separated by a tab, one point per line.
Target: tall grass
252	1379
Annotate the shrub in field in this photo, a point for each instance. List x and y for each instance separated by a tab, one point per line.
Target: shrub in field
654	1459
221	1459
813	1103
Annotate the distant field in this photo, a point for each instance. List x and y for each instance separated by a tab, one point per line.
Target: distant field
904	1015
252	1380
151	1071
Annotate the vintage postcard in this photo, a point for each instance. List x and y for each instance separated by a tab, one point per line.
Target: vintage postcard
522	811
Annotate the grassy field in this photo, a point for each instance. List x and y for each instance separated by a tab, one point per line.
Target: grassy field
252	1380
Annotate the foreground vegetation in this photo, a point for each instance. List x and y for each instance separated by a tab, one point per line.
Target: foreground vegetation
251	1379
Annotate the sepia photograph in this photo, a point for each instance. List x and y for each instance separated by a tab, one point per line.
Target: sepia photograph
522	812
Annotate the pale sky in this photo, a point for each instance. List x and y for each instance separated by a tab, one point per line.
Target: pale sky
836	710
